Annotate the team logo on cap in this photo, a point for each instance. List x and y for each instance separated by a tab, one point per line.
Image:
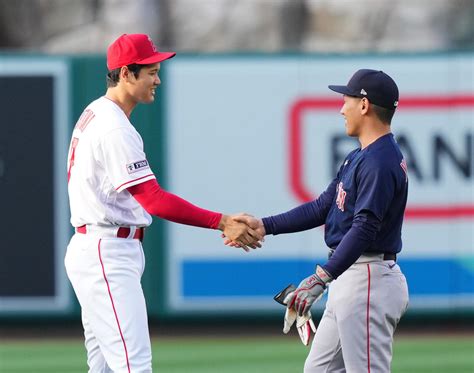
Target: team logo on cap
363	92
152	45
395	103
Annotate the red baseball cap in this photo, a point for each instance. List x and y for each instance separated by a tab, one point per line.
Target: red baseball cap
134	48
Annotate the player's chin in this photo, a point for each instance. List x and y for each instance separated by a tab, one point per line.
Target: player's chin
349	130
148	99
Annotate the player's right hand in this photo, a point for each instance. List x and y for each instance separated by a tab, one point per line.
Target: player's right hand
252	222
239	233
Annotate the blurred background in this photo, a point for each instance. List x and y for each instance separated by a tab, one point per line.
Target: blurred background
243	121
268	26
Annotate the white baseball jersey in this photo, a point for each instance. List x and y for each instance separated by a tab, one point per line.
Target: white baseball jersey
105	157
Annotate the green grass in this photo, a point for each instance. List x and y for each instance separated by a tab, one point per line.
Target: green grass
242	354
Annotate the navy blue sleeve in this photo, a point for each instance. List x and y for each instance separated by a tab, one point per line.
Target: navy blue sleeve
309	215
361	234
375	187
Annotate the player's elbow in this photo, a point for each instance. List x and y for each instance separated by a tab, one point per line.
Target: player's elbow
367	224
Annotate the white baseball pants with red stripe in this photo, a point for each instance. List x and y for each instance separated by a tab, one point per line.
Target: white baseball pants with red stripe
105	273
364	306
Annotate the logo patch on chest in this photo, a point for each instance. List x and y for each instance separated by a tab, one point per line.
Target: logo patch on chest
341	196
137	166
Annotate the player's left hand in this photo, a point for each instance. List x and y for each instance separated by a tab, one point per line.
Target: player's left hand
310	290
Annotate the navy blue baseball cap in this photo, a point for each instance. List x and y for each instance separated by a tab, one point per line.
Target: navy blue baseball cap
379	88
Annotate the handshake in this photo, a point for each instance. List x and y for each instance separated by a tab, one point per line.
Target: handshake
242	230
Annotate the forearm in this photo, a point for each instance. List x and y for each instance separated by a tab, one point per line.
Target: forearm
165	205
360	237
309	215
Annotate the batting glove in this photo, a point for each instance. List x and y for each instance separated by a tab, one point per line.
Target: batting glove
304	324
310	290
290	318
290	314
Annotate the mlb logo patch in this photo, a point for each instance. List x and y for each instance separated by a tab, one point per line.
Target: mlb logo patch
137	166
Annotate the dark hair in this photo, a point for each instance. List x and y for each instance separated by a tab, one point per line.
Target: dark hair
113	76
384	114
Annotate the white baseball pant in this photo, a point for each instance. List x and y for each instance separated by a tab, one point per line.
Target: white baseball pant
105	273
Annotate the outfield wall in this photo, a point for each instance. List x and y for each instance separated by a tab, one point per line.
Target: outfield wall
253	133
263	135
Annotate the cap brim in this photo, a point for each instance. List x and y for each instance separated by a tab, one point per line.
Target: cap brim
345	90
157	57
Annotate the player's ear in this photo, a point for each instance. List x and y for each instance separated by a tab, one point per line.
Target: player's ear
125	74
364	105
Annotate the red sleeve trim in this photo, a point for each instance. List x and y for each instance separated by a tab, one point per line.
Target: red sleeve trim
131	181
165	205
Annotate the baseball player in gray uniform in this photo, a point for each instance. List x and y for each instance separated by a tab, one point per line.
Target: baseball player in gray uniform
112	192
362	210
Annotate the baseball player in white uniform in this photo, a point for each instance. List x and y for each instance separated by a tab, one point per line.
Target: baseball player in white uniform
112	192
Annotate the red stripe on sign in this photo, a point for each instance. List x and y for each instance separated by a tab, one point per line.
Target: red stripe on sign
440	212
131	181
113	307
436	102
368	318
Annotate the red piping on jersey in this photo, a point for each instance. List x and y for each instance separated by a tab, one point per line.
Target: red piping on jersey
113	307
368	318
131	181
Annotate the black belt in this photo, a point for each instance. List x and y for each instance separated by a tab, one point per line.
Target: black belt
386	256
390	256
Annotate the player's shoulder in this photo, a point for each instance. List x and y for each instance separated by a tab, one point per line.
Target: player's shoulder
108	116
383	153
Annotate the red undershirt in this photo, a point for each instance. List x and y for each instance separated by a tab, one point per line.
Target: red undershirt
159	202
